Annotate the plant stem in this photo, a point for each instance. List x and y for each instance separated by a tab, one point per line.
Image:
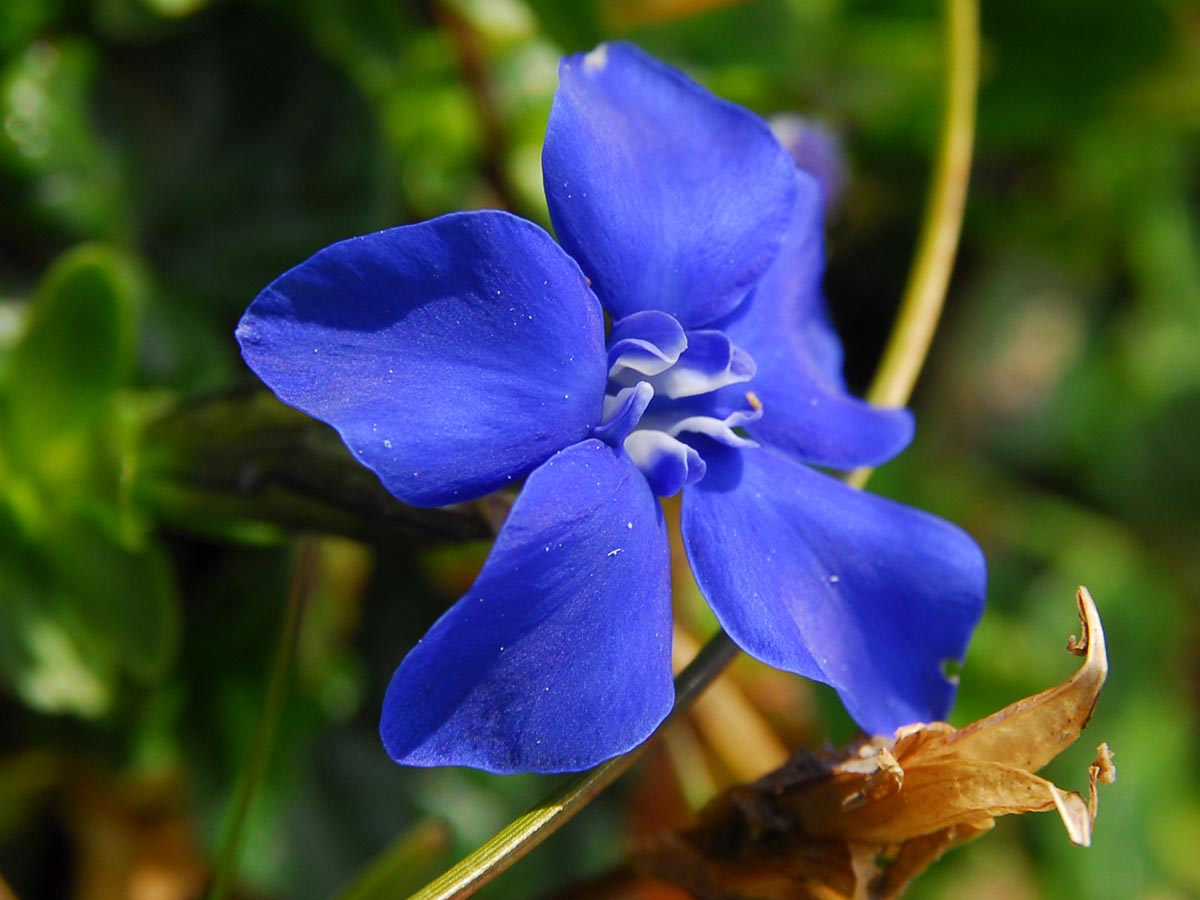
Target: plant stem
731	724
262	741
405	864
929	278
905	354
925	293
523	834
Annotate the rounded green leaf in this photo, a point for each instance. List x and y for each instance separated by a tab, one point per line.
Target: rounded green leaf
77	350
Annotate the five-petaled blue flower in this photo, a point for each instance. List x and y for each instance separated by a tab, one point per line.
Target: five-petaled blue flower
460	355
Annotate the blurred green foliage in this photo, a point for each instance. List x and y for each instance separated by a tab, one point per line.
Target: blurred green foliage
162	160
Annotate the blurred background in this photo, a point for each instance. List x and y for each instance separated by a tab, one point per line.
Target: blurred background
162	160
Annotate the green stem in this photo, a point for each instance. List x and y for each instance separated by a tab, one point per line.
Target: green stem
925	293
262	740
920	309
929	278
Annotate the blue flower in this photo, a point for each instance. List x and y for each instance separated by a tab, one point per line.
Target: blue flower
463	354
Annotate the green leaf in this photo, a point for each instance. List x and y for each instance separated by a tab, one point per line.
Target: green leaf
78	611
78	349
20	20
41	656
64	173
122	599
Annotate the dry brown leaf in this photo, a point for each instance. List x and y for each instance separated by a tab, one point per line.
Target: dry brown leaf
862	825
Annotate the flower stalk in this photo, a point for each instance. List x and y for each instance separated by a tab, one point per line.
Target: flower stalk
262	741
929	278
906	352
523	834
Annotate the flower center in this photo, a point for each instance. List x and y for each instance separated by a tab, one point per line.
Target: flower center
669	391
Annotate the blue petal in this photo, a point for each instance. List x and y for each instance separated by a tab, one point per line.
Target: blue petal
559	657
646	343
847	588
452	356
815	149
622	412
784	325
709	363
669	197
668	463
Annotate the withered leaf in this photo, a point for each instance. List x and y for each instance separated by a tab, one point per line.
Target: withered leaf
861	825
